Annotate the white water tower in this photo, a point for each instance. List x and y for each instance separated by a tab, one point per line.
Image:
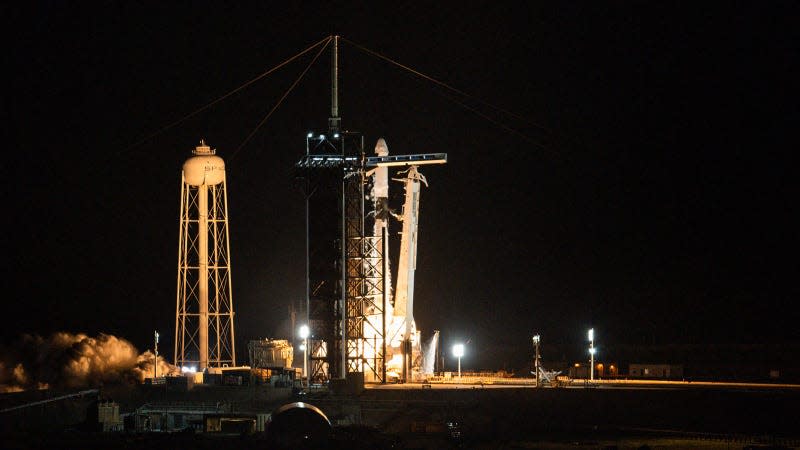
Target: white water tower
204	334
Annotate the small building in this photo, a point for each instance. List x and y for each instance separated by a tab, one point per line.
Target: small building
271	360
270	353
238	423
175	416
606	370
108	416
196	416
601	370
664	371
228	376
183	382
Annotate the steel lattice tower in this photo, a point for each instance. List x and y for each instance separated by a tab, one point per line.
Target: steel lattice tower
348	287
344	266
331	177
204	332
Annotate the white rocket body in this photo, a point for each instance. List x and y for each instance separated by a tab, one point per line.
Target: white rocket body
404	296
403	350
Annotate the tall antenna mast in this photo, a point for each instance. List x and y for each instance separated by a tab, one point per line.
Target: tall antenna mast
334	123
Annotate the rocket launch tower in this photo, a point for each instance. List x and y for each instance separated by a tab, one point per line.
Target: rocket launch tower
204	335
357	325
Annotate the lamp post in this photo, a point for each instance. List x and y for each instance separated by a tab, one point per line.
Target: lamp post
155	357
304	332
591	353
536	360
458	352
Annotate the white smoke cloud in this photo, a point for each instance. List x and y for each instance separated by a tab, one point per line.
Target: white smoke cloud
66	360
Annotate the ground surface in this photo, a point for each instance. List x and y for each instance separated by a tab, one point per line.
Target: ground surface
491	417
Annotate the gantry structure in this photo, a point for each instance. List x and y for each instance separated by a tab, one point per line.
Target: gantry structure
348	292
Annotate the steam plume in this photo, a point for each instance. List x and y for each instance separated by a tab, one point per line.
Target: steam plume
66	360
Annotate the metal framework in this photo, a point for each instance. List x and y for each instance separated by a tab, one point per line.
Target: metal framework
318	176
346	300
365	301
348	292
204	331
347	269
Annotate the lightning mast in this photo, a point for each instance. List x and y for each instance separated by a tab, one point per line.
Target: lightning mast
332	181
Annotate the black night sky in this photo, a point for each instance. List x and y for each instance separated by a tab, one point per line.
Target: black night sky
622	165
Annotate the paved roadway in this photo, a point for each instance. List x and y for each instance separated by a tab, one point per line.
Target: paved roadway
505	383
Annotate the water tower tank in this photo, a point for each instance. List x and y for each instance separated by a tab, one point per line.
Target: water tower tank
204	313
204	168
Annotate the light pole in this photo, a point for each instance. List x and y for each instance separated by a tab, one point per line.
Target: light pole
536	360
591	353
304	332
155	357
458	352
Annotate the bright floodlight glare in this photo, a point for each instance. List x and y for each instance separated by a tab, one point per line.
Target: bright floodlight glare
336	135
458	350
591	334
322	136
592	350
304	331
302	347
310	134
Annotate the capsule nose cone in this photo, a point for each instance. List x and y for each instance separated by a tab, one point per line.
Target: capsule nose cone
381	149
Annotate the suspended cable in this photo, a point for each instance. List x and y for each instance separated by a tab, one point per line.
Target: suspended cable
502	125
192	114
233	155
440	83
462	93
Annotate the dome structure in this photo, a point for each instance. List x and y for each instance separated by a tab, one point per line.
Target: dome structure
298	425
